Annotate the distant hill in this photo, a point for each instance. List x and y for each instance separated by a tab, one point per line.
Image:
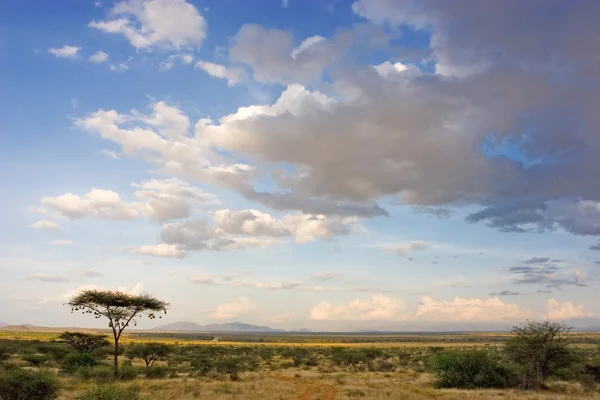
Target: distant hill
3	324
227	327
179	326
302	330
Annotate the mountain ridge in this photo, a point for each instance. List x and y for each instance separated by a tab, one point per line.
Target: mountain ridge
225	327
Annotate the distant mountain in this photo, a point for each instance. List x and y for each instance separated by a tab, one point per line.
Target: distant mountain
302	330
179	326
227	327
3	324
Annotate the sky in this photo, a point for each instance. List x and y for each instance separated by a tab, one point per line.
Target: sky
330	165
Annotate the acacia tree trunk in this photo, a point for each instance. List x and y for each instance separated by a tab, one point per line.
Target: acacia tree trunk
116	358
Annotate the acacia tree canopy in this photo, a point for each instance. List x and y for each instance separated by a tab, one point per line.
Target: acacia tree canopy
119	308
84	342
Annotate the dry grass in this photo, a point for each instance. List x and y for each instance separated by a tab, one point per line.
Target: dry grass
300	384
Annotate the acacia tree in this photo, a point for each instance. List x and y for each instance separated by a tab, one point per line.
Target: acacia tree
149	352
119	308
541	347
84	342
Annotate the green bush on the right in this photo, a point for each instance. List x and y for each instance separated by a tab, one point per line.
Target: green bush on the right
471	369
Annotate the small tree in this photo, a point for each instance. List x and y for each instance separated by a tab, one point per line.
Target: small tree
119	308
541	348
233	365
149	352
84	342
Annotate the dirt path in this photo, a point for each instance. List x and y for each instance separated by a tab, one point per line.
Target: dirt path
312	387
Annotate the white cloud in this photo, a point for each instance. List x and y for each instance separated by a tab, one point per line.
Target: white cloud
44	277
465	309
388	69
158	250
136	289
306	45
303	227
65	51
234	309
169	63
121	67
274	58
376	308
326	276
564	311
286	285
99	57
47	225
403	249
147	24
97	203
282	317
205	279
233	75
170	198
63	242
109	154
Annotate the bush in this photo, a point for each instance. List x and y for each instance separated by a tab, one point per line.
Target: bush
75	361
111	392
127	372
35	359
20	384
542	349
98	373
471	369
56	351
157	372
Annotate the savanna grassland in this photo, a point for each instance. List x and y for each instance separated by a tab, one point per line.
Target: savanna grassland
176	365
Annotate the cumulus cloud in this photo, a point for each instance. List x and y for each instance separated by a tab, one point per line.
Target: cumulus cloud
242	306
47	225
503	124
160	200
170	199
403	249
564	311
158	250
65	51
467	309
375	308
274	58
147	24
304	228
99	57
232	75
97	203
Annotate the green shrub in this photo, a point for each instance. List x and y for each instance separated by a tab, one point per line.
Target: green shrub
156	372
111	392
20	384
127	372
470	369
35	359
55	351
98	373
75	361
542	349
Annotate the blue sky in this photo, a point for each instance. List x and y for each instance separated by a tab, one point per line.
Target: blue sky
333	165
